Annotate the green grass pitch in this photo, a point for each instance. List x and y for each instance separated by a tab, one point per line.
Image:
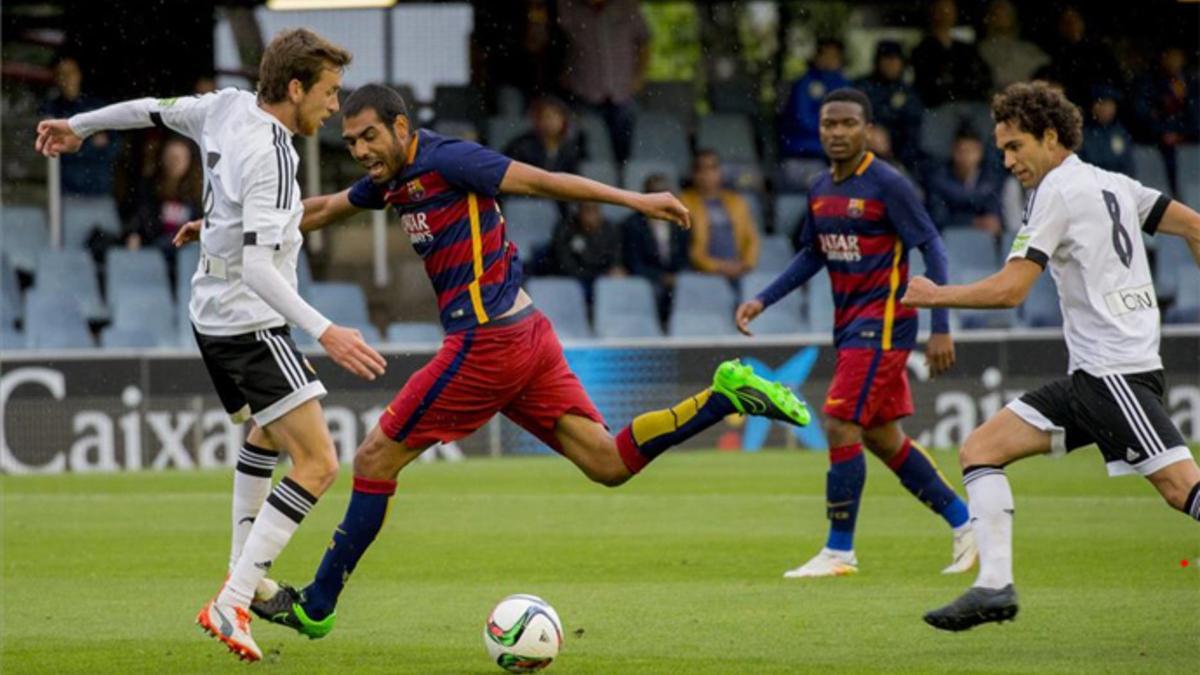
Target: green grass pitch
677	572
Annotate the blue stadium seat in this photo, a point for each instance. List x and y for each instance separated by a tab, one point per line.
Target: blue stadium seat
461	129
735	95
638	170
985	319
601	170
624	297
757	214
10	292
1187	174
23	232
72	273
698	293
143	268
701	324
789	209
304	276
1186	308
53	321
529	224
187	259
596	140
972	253
774	254
660	136
11	338
414	332
1041	308
819	303
626	327
1150	169
149	309
82	215
342	302
561	300
674	98
129	338
730	134
502	129
1172	257
784	317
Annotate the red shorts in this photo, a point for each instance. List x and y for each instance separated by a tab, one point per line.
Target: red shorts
869	387
514	366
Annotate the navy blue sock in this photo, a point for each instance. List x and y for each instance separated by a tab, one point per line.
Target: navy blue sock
364	516
920	476
651	434
843	492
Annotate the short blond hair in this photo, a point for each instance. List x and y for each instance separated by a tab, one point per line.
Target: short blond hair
297	54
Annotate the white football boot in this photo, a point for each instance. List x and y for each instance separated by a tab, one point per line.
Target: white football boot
231	625
827	563
965	552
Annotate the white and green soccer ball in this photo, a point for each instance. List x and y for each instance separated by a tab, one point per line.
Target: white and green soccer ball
523	634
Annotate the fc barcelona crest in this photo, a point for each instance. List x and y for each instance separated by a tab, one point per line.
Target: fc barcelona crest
855	208
415	190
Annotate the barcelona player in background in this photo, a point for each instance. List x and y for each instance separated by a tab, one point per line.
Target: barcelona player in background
500	354
862	219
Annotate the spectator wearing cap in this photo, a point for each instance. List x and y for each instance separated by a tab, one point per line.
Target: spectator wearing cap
1106	143
655	250
1010	58
724	234
948	70
551	144
965	192
800	121
89	171
897	107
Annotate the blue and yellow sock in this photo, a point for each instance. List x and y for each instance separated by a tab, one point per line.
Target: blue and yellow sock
843	493
920	476
650	434
364	516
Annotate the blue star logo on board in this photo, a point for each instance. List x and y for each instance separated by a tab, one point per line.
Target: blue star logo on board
793	374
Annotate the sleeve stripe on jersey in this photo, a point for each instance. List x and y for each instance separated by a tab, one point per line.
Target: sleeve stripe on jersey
1037	256
157	120
1156	214
285	170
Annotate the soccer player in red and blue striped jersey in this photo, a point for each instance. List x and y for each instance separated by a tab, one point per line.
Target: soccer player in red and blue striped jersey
863	218
500	354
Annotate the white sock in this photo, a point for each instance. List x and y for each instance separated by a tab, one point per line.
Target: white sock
251	485
277	521
991	504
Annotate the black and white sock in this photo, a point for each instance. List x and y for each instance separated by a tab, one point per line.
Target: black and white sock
1192	505
286	507
251	485
991	507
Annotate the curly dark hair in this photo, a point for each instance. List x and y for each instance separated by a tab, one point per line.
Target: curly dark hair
1035	107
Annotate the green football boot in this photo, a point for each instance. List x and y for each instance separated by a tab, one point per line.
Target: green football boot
285	609
754	395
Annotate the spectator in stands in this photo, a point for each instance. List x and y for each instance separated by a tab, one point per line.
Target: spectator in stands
896	105
89	171
948	70
1106	143
1010	58
798	124
656	250
607	53
724	234
879	142
966	191
1167	105
168	200
1079	63
551	144
586	246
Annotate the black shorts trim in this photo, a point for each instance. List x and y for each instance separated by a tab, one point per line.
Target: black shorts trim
262	370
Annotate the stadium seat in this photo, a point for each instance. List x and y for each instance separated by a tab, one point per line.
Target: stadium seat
972	253
601	170
701	324
187	259
788	210
774	254
798	175
461	129
757	213
530	224
638	170
819	303
129	338
82	215
660	136
342	302
1041	308
73	274
784	317
730	134
149	309
1186	308
624	297
458	102
941	124
1150	169
626	327
11	338
986	319
143	268
23	232
677	99
735	95
304	275
561	300
10	292
698	293
414	332
510	102
53	320
501	130
596	140
1172	257
1187	174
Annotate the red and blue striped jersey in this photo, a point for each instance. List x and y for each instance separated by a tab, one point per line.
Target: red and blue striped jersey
446	198
864	226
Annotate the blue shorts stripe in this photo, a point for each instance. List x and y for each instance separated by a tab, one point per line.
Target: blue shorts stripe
867	382
434	391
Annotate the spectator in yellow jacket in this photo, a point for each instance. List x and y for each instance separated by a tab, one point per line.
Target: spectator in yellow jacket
724	234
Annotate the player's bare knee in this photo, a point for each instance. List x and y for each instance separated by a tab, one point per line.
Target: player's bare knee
975	451
840	433
609	474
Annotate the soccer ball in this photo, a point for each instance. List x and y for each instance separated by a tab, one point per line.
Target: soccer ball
522	634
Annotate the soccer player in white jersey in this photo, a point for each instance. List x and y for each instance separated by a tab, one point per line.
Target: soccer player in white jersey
1085	224
244	295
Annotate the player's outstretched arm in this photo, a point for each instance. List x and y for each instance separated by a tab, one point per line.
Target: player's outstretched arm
530	181
184	115
1182	221
802	268
325	210
1003	290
